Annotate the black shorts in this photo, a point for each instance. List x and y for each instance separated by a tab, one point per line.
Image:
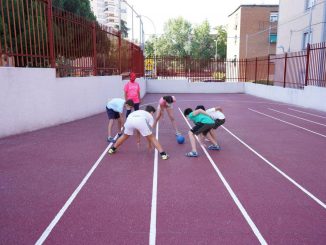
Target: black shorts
218	122
201	128
112	114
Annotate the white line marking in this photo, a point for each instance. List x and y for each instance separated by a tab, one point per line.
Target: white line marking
232	194
152	232
56	219
278	170
288	123
307	113
304	119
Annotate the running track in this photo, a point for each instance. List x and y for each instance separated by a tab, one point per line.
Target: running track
266	185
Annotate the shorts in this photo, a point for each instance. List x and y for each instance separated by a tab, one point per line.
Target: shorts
138	123
218	122
201	128
112	114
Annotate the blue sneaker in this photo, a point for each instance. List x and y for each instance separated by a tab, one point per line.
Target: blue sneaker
111	140
214	147
192	154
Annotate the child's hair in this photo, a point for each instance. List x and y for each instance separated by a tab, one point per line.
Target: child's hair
168	99
200	107
187	111
130	103
150	109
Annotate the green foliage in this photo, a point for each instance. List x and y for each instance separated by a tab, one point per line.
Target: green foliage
221	39
202	45
124	28
79	7
181	39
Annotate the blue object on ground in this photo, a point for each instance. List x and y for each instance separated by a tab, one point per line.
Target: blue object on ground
180	139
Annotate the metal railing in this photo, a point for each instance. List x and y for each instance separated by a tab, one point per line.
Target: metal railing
292	70
35	34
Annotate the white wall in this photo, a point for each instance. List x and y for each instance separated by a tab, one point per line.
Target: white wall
294	21
31	99
183	86
310	97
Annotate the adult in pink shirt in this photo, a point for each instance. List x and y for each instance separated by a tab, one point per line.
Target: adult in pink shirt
132	92
165	103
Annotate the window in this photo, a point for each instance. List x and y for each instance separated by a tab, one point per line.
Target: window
309	4
272	38
306	40
236	19
273	17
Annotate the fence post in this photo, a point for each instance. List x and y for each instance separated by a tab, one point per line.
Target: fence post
285	64
268	61
94	49
307	65
245	77
256	70
119	37
50	33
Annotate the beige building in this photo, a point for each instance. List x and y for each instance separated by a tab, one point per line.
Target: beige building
109	12
252	31
296	18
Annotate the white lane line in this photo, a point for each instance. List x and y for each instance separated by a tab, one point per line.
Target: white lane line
278	170
304	119
152	231
306	113
56	219
292	124
231	192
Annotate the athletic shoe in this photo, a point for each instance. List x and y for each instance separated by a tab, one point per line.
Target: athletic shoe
192	154
165	156
111	140
177	133
214	147
111	151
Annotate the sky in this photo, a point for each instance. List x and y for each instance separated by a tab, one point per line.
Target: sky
160	11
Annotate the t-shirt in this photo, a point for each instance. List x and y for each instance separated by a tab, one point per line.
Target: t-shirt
132	90
163	103
215	114
142	114
201	118
116	104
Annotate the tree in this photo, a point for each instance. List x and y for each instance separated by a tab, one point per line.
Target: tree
180	39
124	29
221	38
174	41
79	7
202	44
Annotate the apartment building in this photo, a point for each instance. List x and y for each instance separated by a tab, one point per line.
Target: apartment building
300	22
108	12
252	31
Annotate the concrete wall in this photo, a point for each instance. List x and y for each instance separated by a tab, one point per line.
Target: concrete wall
31	99
310	97
183	86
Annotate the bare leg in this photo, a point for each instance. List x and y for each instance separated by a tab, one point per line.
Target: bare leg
213	134
155	142
192	141
171	116
110	127
158	116
119	124
209	136
120	141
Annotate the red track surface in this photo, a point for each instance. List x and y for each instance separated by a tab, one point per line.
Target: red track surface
40	170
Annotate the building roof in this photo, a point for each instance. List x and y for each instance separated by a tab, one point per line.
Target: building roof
254	5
